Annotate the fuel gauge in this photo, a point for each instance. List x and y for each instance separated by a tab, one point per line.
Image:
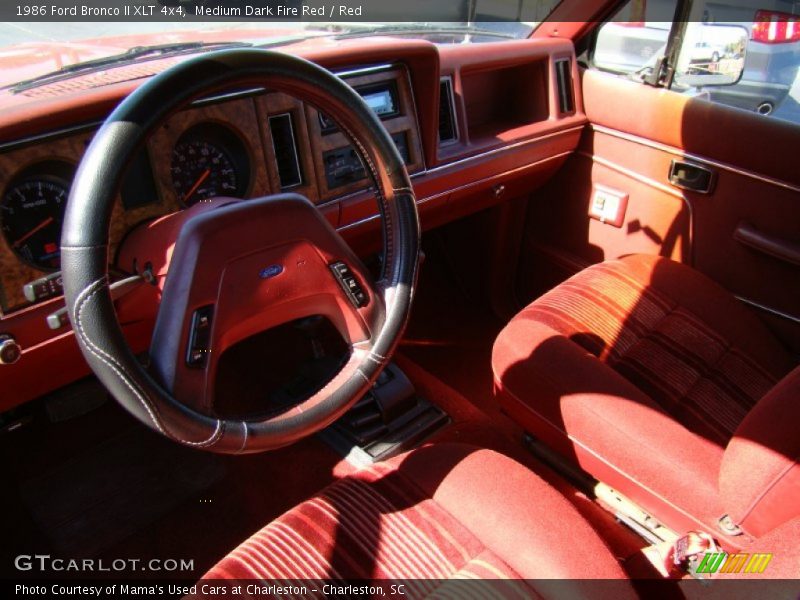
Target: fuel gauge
31	215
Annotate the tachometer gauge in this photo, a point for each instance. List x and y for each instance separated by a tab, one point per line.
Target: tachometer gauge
31	214
209	162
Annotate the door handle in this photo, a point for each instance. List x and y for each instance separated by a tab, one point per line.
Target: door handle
785	250
691	176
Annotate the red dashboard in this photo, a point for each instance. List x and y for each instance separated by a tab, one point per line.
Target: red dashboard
476	124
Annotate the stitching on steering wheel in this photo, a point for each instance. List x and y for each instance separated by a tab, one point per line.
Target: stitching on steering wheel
376	358
119	369
244	437
81	301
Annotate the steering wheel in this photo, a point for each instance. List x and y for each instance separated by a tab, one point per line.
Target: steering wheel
239	267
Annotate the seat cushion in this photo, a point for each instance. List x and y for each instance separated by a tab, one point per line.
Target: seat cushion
444	511
640	369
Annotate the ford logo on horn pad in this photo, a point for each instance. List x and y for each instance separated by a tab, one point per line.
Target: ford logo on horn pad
270	271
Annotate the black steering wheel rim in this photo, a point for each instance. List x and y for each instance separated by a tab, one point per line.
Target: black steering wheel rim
85	243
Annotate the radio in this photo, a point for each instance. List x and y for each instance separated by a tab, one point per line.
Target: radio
343	165
380	97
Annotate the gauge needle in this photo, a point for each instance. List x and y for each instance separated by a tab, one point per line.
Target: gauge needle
39	227
203	176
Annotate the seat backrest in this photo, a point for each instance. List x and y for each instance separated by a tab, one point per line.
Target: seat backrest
759	479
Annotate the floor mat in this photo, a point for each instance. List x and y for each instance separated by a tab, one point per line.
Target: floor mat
452	334
256	489
98	498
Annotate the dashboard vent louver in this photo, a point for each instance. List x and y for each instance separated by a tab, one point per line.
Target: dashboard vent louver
566	97
283	141
448	130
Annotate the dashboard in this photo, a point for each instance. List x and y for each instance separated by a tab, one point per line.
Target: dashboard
244	144
475	124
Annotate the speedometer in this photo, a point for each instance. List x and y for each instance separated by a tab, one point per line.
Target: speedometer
31	214
207	162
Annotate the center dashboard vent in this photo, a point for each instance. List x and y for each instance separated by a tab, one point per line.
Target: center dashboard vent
448	130
283	141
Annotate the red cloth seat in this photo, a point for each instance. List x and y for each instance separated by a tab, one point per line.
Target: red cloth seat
652	378
441	512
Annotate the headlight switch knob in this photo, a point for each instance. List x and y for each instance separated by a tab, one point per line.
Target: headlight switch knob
10	350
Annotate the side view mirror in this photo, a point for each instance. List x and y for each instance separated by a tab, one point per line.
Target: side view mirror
711	55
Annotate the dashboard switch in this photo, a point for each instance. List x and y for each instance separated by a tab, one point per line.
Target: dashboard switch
349	284
43	288
10	350
58	319
200	337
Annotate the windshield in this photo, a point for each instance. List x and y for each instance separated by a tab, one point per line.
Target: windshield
30	51
116	33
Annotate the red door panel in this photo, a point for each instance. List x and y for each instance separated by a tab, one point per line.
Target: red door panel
744	234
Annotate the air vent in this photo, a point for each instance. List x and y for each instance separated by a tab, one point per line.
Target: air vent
566	98
285	150
448	130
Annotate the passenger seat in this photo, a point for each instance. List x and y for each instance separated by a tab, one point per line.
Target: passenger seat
658	382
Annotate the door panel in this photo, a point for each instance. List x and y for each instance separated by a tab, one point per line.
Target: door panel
635	134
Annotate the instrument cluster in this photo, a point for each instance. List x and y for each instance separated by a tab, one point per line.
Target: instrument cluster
208	160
